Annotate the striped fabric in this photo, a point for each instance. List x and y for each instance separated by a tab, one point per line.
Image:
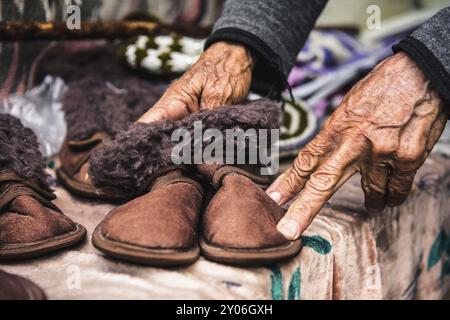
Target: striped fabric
18	59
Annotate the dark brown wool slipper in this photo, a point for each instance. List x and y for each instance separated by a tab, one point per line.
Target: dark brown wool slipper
30	224
239	223
158	228
151	227
13	287
73	171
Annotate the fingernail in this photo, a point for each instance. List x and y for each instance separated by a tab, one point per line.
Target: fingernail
276	196
289	228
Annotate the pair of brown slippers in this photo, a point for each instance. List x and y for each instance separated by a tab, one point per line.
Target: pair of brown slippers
218	211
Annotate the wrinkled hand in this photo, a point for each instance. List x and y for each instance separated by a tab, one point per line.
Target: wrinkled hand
385	128
221	76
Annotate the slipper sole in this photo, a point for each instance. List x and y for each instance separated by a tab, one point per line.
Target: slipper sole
34	249
249	257
142	255
83	189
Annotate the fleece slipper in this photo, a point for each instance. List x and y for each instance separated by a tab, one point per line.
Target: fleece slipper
239	223
30	224
73	171
158	228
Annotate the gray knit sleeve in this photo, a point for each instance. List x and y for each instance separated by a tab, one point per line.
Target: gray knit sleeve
276	31
429	46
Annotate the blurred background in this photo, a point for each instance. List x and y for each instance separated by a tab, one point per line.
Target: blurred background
344	46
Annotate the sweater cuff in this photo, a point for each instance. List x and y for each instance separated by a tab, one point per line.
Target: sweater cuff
267	77
429	64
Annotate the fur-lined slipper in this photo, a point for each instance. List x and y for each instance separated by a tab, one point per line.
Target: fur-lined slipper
158	228
13	287
30	224
239	226
74	166
96	109
126	165
239	223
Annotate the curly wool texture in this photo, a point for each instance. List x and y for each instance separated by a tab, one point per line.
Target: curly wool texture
127	164
102	95
19	150
92	105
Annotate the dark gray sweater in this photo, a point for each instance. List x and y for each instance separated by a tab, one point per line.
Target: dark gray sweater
276	30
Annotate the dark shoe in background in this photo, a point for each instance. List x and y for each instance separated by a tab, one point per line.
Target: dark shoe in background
74	166
13	287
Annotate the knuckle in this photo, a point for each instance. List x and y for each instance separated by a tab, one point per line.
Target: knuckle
375	191
401	185
410	155
328	125
291	183
383	147
303	165
321	181
213	97
319	145
367	182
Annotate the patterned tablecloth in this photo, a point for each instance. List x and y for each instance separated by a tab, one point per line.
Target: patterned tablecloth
402	253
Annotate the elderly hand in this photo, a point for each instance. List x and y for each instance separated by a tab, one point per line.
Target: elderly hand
385	128
221	76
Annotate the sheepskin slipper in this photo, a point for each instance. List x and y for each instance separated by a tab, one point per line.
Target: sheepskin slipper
13	287
30	223
74	166
94	104
96	109
239	223
158	228
125	165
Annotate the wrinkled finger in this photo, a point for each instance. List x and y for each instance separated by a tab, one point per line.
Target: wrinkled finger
416	142
318	189
374	177
291	182
399	187
163	110
179	100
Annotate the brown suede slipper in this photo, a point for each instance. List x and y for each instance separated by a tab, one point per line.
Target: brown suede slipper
73	172
30	224
158	228
13	287
239	223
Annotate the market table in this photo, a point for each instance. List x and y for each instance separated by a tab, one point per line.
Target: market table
401	253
